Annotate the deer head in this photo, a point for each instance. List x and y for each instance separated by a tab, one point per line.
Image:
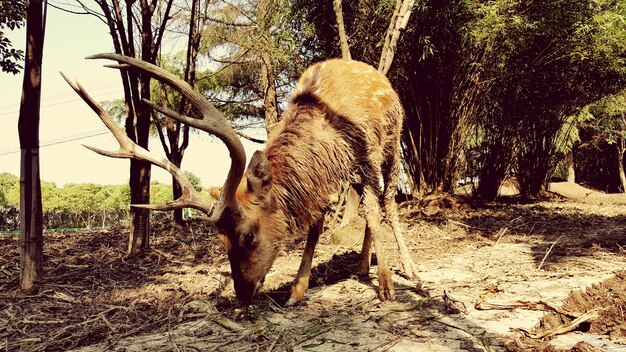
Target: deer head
244	213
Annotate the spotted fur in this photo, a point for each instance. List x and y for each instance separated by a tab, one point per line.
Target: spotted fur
343	123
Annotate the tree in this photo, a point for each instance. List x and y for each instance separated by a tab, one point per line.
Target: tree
341	30
268	72
552	59
398	23
258	58
123	20
12	15
608	117
7	183
31	215
175	136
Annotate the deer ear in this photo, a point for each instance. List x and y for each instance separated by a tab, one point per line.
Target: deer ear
259	176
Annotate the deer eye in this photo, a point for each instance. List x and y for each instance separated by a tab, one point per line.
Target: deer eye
248	239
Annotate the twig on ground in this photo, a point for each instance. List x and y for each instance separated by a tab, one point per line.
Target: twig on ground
228	324
548	253
273	344
453	305
440	321
462	224
42	322
316	334
401	308
391	342
493	249
530	305
593	314
231	341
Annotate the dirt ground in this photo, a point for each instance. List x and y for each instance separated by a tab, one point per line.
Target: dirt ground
507	276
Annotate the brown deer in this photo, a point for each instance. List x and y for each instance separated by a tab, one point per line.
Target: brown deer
343	124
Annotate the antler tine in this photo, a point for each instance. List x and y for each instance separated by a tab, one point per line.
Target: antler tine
129	149
212	121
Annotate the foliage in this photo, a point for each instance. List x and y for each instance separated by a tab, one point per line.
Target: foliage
235	43
7	183
608	117
496	82
160	193
195	180
491	88
600	155
83	204
12	15
550	60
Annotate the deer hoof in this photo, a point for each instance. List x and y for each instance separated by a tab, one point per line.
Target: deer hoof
386	291
387	295
292	302
363	271
410	269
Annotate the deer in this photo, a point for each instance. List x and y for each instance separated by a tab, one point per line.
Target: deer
342	124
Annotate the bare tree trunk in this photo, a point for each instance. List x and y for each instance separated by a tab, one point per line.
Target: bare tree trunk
177	191
352	206
137	125
268	74
140	171
343	38
621	148
569	161
398	23
31	215
174	128
352	199
139	219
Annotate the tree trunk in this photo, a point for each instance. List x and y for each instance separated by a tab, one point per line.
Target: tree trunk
352	206
139	243
174	128
343	38
398	23
177	191
571	172
139	219
31	215
620	163
352	198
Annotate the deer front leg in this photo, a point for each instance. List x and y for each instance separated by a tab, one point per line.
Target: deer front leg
301	282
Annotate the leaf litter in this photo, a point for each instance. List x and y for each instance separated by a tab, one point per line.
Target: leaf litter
510	276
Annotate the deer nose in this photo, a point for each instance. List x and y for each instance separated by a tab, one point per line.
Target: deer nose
245	290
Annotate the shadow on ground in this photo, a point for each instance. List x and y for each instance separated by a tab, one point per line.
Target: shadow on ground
555	228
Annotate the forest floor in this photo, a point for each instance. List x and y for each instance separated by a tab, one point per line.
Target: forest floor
518	276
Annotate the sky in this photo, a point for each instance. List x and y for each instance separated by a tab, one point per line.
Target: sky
69	39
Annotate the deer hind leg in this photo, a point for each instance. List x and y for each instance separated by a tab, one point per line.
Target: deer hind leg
371	201
365	258
391	170
366	254
301	282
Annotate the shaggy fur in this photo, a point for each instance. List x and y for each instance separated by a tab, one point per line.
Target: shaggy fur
343	124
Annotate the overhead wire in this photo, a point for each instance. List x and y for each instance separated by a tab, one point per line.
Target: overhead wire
13	113
69	93
60	140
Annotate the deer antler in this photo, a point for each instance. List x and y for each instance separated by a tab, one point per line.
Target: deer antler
212	121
